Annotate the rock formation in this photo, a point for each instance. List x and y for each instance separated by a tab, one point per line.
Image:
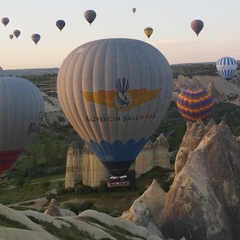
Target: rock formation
36	225
53	113
203	201
222	90
152	155
147	208
93	171
73	166
53	209
86	167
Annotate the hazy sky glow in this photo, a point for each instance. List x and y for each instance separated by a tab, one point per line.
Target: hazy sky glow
170	20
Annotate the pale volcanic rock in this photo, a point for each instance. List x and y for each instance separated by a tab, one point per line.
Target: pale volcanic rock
53	208
153	155
129	226
73	166
191	140
53	113
222	90
161	152
146	210
203	201
93	171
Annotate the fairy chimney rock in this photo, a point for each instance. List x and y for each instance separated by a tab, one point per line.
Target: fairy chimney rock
73	166
203	201
53	209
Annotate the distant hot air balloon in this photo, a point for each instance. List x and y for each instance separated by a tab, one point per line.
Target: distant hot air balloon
16	33
21	113
226	67
36	37
112	99
90	15
134	10
148	31
197	26
60	24
11	36
194	104
5	21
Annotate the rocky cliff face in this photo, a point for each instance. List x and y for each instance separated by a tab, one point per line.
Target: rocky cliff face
203	202
221	89
53	113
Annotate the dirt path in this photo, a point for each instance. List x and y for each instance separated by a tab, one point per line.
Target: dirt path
31	204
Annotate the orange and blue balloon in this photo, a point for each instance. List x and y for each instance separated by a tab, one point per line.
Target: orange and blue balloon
194	104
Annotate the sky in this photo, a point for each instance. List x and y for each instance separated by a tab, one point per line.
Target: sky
170	20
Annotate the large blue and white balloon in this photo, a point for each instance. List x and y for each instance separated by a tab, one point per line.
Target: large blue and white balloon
115	92
226	67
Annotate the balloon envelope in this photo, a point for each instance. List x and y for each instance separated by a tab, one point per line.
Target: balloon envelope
60	24
197	26
36	37
148	31
194	104
16	33
21	113
226	67
5	21
90	15
11	36
134	10
115	93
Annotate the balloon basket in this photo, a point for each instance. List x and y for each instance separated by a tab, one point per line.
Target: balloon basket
118	181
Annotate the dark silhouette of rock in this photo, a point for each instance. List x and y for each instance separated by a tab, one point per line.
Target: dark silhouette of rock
203	201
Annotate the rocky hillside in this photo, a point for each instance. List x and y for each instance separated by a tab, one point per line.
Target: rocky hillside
222	90
202	203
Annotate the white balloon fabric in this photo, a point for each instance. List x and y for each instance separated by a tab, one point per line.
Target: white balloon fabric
226	67
115	92
21	113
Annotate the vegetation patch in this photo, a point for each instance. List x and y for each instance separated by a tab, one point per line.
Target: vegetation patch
63	233
6	222
115	231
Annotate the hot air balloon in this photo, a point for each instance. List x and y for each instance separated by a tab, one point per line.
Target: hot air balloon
226	67
148	31
197	26
113	98
134	10
21	113
36	37
16	33
11	36
5	21
194	104
60	24
90	15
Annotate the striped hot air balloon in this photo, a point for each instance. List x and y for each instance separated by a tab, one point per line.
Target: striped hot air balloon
194	104
226	67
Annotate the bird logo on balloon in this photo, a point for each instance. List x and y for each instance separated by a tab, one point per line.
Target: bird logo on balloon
122	99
